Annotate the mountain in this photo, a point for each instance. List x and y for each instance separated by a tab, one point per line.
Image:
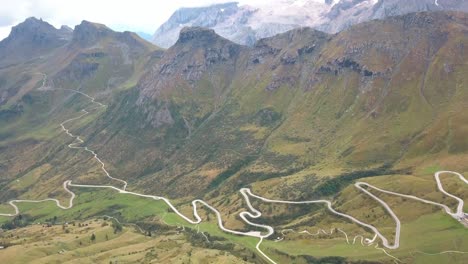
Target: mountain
74	57
178	67
244	24
32	38
349	12
297	116
241	24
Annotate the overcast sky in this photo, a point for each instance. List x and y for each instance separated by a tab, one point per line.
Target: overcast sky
133	15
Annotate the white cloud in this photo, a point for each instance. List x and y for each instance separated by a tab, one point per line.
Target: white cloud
135	15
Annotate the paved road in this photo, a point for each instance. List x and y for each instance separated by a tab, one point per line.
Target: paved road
253	213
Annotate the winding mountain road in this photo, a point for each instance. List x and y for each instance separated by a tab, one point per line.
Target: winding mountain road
70	204
253	213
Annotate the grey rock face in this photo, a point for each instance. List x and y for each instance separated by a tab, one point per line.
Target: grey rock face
196	51
208	17
349	12
236	23
81	67
386	8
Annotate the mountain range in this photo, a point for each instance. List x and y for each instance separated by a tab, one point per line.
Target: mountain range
298	101
247	23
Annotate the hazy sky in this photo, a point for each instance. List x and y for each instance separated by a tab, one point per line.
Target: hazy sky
134	15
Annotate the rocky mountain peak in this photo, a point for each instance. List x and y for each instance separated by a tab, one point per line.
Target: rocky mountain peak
197	51
31	37
88	33
199	40
31	24
290	44
197	34
66	28
36	30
